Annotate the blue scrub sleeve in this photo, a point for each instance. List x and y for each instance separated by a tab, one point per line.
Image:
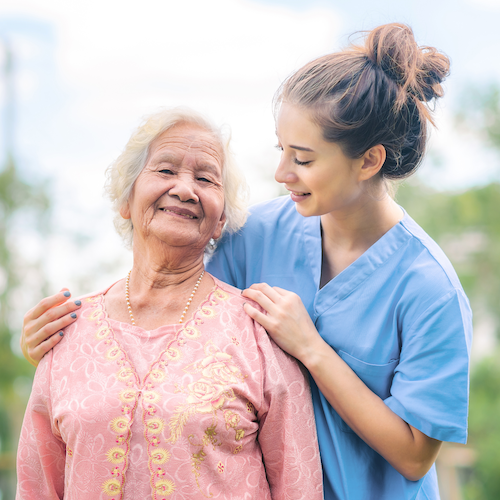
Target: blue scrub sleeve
430	389
223	265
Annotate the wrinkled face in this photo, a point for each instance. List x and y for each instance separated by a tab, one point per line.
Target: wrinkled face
178	198
320	177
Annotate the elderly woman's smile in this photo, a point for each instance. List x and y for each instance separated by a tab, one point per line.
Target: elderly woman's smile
178	198
179	212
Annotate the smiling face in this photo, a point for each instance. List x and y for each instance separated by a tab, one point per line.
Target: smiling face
320	177
178	198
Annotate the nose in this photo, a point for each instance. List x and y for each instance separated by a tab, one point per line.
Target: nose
284	173
184	189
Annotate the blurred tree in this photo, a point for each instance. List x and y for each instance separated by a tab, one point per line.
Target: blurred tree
17	197
467	226
23	209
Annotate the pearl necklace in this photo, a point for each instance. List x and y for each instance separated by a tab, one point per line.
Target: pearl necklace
129	307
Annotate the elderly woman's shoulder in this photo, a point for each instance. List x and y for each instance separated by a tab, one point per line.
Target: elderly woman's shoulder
233	298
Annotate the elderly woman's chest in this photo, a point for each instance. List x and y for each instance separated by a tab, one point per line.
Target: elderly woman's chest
204	386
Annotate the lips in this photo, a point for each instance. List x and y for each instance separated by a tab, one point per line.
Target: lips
180	212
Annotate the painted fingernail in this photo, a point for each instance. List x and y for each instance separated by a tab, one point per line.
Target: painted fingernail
66	293
61	334
73	315
78	302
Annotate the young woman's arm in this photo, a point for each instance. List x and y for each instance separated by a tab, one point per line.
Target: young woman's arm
408	450
43	324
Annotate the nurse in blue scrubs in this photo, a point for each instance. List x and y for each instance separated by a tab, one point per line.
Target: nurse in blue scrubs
350	284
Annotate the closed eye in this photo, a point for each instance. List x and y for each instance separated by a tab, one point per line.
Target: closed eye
165	171
204	179
298	162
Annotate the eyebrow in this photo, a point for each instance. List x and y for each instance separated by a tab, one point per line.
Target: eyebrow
301	148
298	148
172	158
211	168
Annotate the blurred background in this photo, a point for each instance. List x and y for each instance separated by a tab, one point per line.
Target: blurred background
76	78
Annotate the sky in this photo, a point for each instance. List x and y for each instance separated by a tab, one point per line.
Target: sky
86	72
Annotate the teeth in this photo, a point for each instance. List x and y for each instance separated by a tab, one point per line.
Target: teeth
184	215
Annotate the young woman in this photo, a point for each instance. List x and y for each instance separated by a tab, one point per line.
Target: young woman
352	286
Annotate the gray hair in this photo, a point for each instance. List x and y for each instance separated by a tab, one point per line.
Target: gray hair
123	172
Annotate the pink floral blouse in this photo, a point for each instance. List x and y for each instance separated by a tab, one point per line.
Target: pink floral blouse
211	408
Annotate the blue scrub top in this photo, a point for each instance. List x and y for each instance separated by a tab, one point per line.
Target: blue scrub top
397	316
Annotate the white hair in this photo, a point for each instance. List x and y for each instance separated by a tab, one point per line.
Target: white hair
123	172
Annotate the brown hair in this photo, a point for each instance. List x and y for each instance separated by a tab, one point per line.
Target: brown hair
373	94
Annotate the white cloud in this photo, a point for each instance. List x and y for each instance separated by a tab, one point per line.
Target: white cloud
492	5
114	61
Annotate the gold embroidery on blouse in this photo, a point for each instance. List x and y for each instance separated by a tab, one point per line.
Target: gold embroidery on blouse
155	425
164	487
209	437
160	456
116	455
124	374
102	332
220	467
128	395
232	419
112	487
238	449
208	394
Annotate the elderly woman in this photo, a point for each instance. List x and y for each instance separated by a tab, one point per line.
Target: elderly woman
164	388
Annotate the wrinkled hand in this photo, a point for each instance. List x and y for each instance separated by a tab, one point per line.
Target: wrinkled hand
287	320
43	323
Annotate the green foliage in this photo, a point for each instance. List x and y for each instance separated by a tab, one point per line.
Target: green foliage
467	226
484	430
17	198
480	112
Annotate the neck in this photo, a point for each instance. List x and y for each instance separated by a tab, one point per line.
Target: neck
361	224
347	234
159	290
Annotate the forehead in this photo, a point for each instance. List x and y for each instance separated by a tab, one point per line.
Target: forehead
295	123
185	138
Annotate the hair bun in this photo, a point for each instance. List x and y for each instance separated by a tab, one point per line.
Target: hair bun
417	70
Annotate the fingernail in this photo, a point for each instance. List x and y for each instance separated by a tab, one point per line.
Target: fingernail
61	334
73	315
78	302
66	293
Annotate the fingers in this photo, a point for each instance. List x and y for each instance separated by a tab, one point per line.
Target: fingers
47	303
43	323
257	315
260	297
43	348
267	290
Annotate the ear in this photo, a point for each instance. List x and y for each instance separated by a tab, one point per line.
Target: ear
372	162
125	211
219	227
